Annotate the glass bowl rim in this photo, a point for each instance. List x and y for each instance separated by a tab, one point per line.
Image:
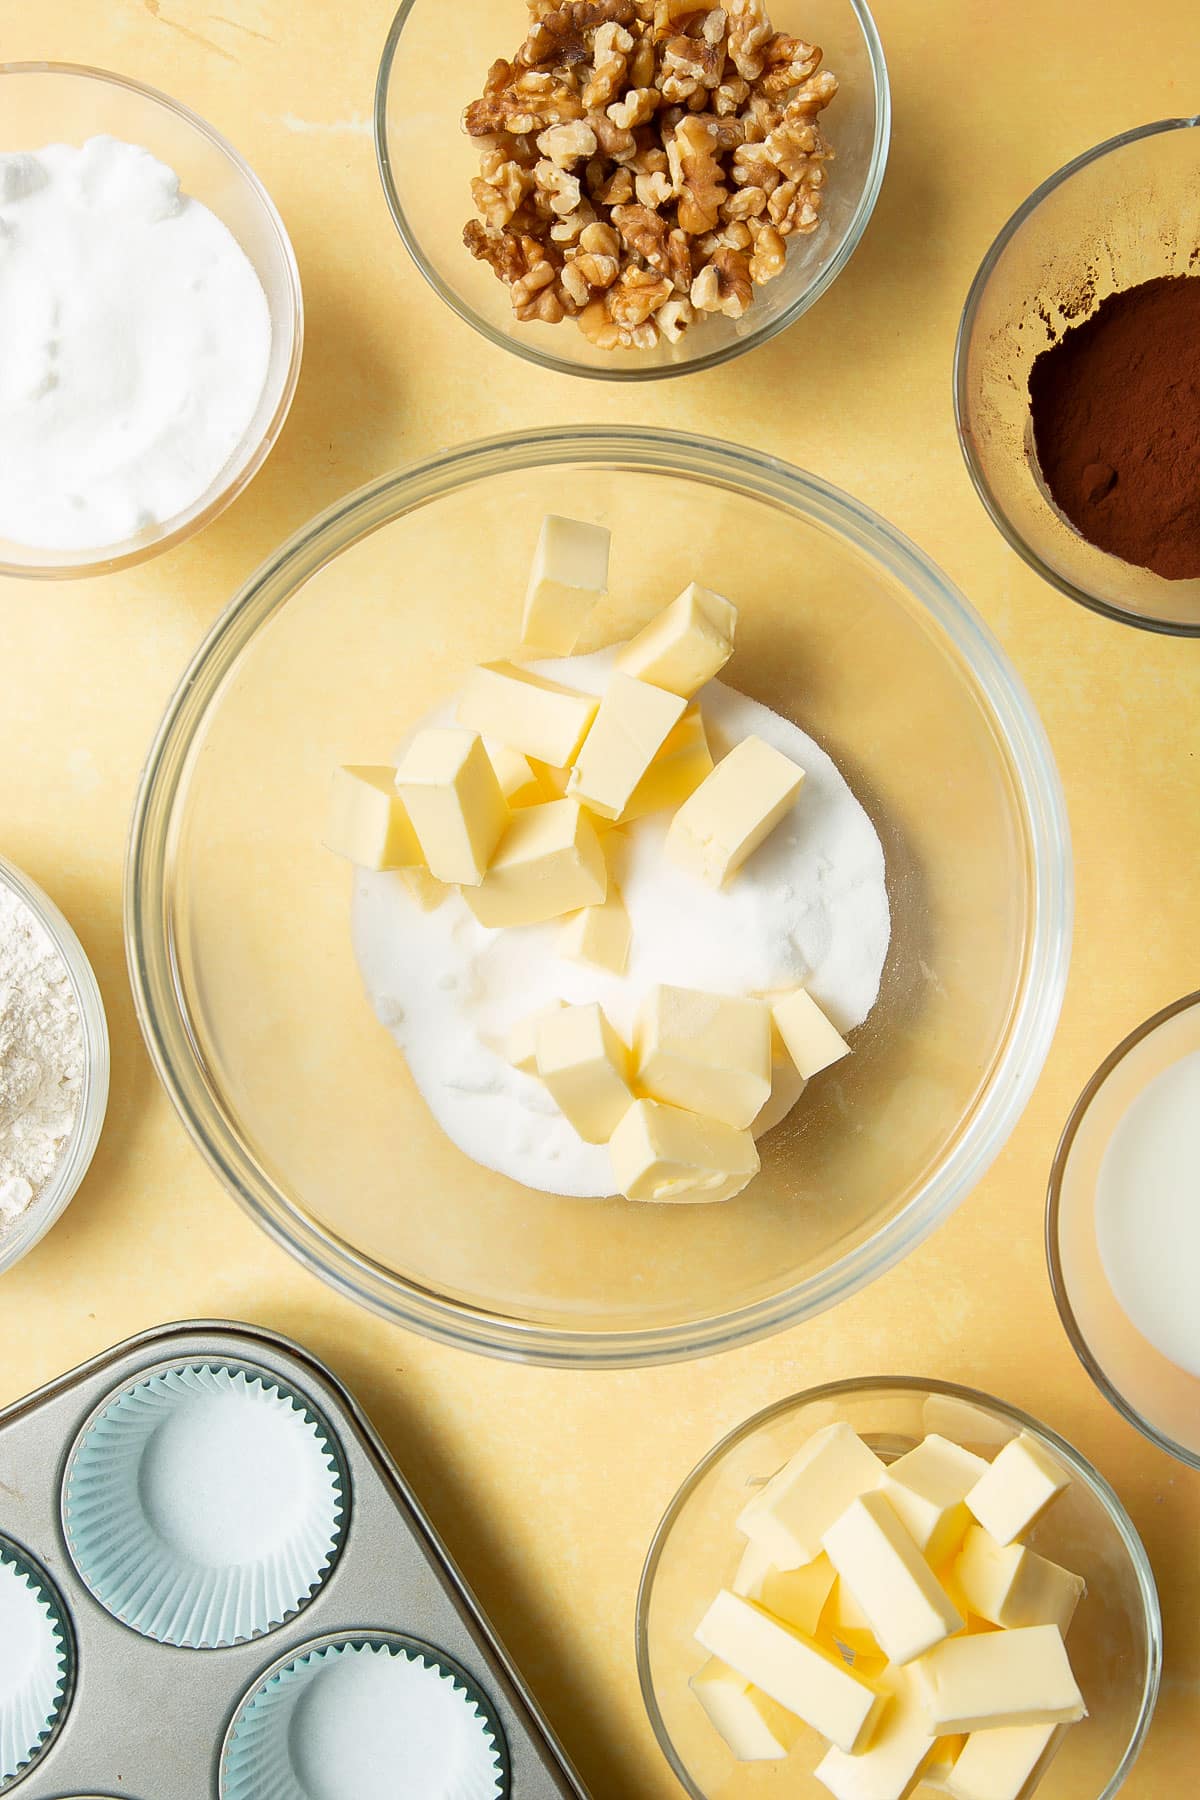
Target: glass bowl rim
191	521
705	461
858	1385
966	333
1058	1281
80	1148
547	359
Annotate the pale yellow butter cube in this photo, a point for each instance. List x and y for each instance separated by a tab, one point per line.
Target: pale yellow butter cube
428	892
1010	1585
518	783
905	1605
1017	1488
733	811
449	789
927	1488
549	862
552	781
686	645
629	730
569	574
797	1596
755	1728
994	1678
811	1042
522	1039
540	718
844	1620
599	934
795	1672
1006	1764
890	1766
664	1154
705	1052
684	761
368	823
939	1764
791	1514
585	1066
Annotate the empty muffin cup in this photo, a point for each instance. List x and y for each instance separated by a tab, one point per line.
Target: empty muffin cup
372	1714
35	1661
206	1505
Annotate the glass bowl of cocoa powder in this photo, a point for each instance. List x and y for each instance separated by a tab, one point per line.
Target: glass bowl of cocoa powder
1077	379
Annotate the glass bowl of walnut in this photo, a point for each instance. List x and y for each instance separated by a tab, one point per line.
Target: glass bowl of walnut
630	189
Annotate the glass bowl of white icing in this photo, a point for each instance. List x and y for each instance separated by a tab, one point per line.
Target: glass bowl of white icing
239	922
151	287
54	1064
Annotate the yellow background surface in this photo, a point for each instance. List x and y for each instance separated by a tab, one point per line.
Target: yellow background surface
548	1486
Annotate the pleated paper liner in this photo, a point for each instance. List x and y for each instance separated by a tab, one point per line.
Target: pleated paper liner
206	1505
35	1661
372	1715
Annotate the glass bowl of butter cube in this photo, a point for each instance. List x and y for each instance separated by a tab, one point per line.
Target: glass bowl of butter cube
884	1588
599	897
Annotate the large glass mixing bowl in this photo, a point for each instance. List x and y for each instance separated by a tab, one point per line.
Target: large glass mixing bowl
239	932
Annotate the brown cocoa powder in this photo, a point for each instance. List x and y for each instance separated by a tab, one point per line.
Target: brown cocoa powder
1116	424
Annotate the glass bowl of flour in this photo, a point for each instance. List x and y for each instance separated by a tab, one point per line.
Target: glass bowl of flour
151	303
54	1064
314	1079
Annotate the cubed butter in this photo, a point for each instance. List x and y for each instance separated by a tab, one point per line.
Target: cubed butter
1010	1585
368	823
796	1673
752	1724
845	1623
791	1514
1016	1489
553	781
599	934
995	1678
705	1052
449	788
662	1153
906	1607
540	718
733	811
549	862
686	645
684	761
797	1596
927	1487
939	1764
890	1766
569	574
1004	1765
811	1042
630	728
585	1066
522	1039
518	783
426	889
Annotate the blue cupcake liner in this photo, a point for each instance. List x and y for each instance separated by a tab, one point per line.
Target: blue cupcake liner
35	1662
205	1505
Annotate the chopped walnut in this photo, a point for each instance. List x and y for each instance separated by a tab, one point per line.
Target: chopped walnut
645	162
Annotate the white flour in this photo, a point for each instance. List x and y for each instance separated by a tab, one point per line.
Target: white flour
134	343
41	1057
809	907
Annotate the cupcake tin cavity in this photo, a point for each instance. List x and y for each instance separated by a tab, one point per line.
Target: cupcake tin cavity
241	1598
204	1506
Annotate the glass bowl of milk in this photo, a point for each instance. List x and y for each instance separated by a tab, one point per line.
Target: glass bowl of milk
151	310
1123	1228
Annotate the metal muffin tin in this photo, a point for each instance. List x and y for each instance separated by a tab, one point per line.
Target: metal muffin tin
392	1579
